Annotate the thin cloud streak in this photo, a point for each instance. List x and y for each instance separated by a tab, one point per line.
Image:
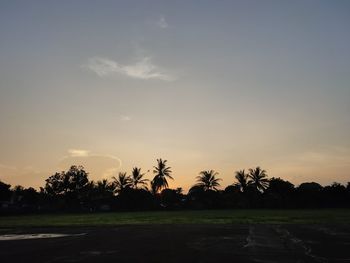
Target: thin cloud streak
78	153
142	69
125	118
99	165
162	22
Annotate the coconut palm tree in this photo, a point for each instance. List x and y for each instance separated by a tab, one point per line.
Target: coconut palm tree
258	179
137	178
179	190
242	180
121	182
104	186
162	172
153	187
207	180
100	189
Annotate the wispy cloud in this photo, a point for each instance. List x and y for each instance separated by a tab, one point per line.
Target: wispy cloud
125	118
162	22
143	68
78	153
98	165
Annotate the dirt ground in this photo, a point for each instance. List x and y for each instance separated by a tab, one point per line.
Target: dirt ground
178	243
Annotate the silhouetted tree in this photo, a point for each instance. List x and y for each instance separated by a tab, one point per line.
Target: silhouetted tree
162	172
71	191
204	194
104	186
5	192
101	190
73	181
207	180
309	195
170	198
68	189
233	197
153	187
137	178
310	186
258	179
242	180
77	178
131	199
30	198
17	194
279	194
179	191
121	182
56	184
334	195
25	199
348	194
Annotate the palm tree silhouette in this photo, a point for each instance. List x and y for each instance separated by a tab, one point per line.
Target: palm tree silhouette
258	179
162	172
242	180
207	181
136	178
179	190
121	182
104	185
102	188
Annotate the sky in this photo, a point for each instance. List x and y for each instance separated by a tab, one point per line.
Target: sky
222	85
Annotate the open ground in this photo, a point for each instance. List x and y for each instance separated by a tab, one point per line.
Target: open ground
187	236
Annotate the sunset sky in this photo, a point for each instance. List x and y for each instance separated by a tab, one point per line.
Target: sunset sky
222	85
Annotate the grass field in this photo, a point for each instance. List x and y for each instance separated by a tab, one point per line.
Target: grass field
181	217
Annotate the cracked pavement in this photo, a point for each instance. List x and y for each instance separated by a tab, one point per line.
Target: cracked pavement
174	243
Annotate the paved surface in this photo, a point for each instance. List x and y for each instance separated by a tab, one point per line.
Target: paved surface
179	243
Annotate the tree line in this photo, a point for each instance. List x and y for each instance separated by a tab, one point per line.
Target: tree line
72	190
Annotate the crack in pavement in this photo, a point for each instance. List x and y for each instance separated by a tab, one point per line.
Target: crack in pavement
35	236
268	243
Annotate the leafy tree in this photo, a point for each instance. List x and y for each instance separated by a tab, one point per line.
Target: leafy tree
280	186
77	178
162	172
195	190
30	196
104	186
233	197
72	181
153	187
179	191
258	179
121	182
204	194
334	195
310	187
309	195
103	189
72	190
5	192
348	194
170	198
242	180
137	178
207	180
279	194
56	184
